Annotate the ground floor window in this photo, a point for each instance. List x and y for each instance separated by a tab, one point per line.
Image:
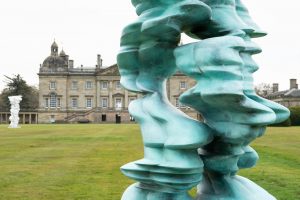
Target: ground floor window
52	118
89	102
104	102
58	102
118	103
74	102
132	118
46	102
53	101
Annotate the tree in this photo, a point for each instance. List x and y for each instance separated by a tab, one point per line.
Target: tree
263	89
16	85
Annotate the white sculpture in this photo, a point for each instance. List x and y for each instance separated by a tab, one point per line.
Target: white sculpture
14	110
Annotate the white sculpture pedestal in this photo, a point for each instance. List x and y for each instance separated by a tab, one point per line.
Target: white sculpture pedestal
14	111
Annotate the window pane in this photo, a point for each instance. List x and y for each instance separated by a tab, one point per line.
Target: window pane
53	101
182	85
74	84
104	85
88	102
46	102
118	85
104	102
58	102
118	103
88	85
74	103
52	85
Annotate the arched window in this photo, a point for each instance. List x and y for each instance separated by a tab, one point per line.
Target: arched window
53	100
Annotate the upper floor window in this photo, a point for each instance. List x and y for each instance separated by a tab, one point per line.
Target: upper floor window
88	85
183	85
89	102
104	85
74	102
118	85
74	85
52	85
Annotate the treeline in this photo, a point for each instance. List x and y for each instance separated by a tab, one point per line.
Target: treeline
16	85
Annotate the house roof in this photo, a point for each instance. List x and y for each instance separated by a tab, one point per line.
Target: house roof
286	93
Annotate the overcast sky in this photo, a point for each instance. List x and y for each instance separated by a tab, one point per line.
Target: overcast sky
85	28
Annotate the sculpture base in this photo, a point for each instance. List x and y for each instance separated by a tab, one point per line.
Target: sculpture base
136	192
14	127
226	187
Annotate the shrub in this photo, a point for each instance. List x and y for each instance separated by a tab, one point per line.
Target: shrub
295	116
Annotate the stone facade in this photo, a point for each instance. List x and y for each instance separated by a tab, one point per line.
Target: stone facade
94	94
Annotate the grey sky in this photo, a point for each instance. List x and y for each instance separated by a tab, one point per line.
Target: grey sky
86	28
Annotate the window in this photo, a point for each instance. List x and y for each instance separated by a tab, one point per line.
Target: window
58	102
74	85
52	85
132	118
118	103
74	103
89	102
177	103
46	102
104	85
118	85
52	118
52	101
104	103
88	85
182	85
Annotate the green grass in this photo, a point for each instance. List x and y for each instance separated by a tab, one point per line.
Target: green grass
82	161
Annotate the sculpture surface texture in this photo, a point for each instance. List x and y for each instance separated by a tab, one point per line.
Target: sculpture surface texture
14	111
180	152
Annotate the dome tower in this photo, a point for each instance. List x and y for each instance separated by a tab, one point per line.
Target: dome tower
54	49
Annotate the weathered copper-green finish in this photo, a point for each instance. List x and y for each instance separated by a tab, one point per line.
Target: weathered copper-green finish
181	152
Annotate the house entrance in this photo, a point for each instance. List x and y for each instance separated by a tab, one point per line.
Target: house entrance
118	119
103	118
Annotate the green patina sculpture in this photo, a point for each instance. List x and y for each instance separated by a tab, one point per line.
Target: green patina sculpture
179	152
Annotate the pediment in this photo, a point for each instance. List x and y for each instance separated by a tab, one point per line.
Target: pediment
118	95
110	71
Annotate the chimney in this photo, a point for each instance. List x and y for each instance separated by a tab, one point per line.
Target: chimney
293	84
99	61
275	87
71	64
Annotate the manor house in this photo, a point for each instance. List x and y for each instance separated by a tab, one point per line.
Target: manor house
92	94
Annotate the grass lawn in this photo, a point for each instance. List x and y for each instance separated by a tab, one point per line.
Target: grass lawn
69	162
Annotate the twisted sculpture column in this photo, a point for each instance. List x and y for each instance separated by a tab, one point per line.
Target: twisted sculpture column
180	152
171	165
